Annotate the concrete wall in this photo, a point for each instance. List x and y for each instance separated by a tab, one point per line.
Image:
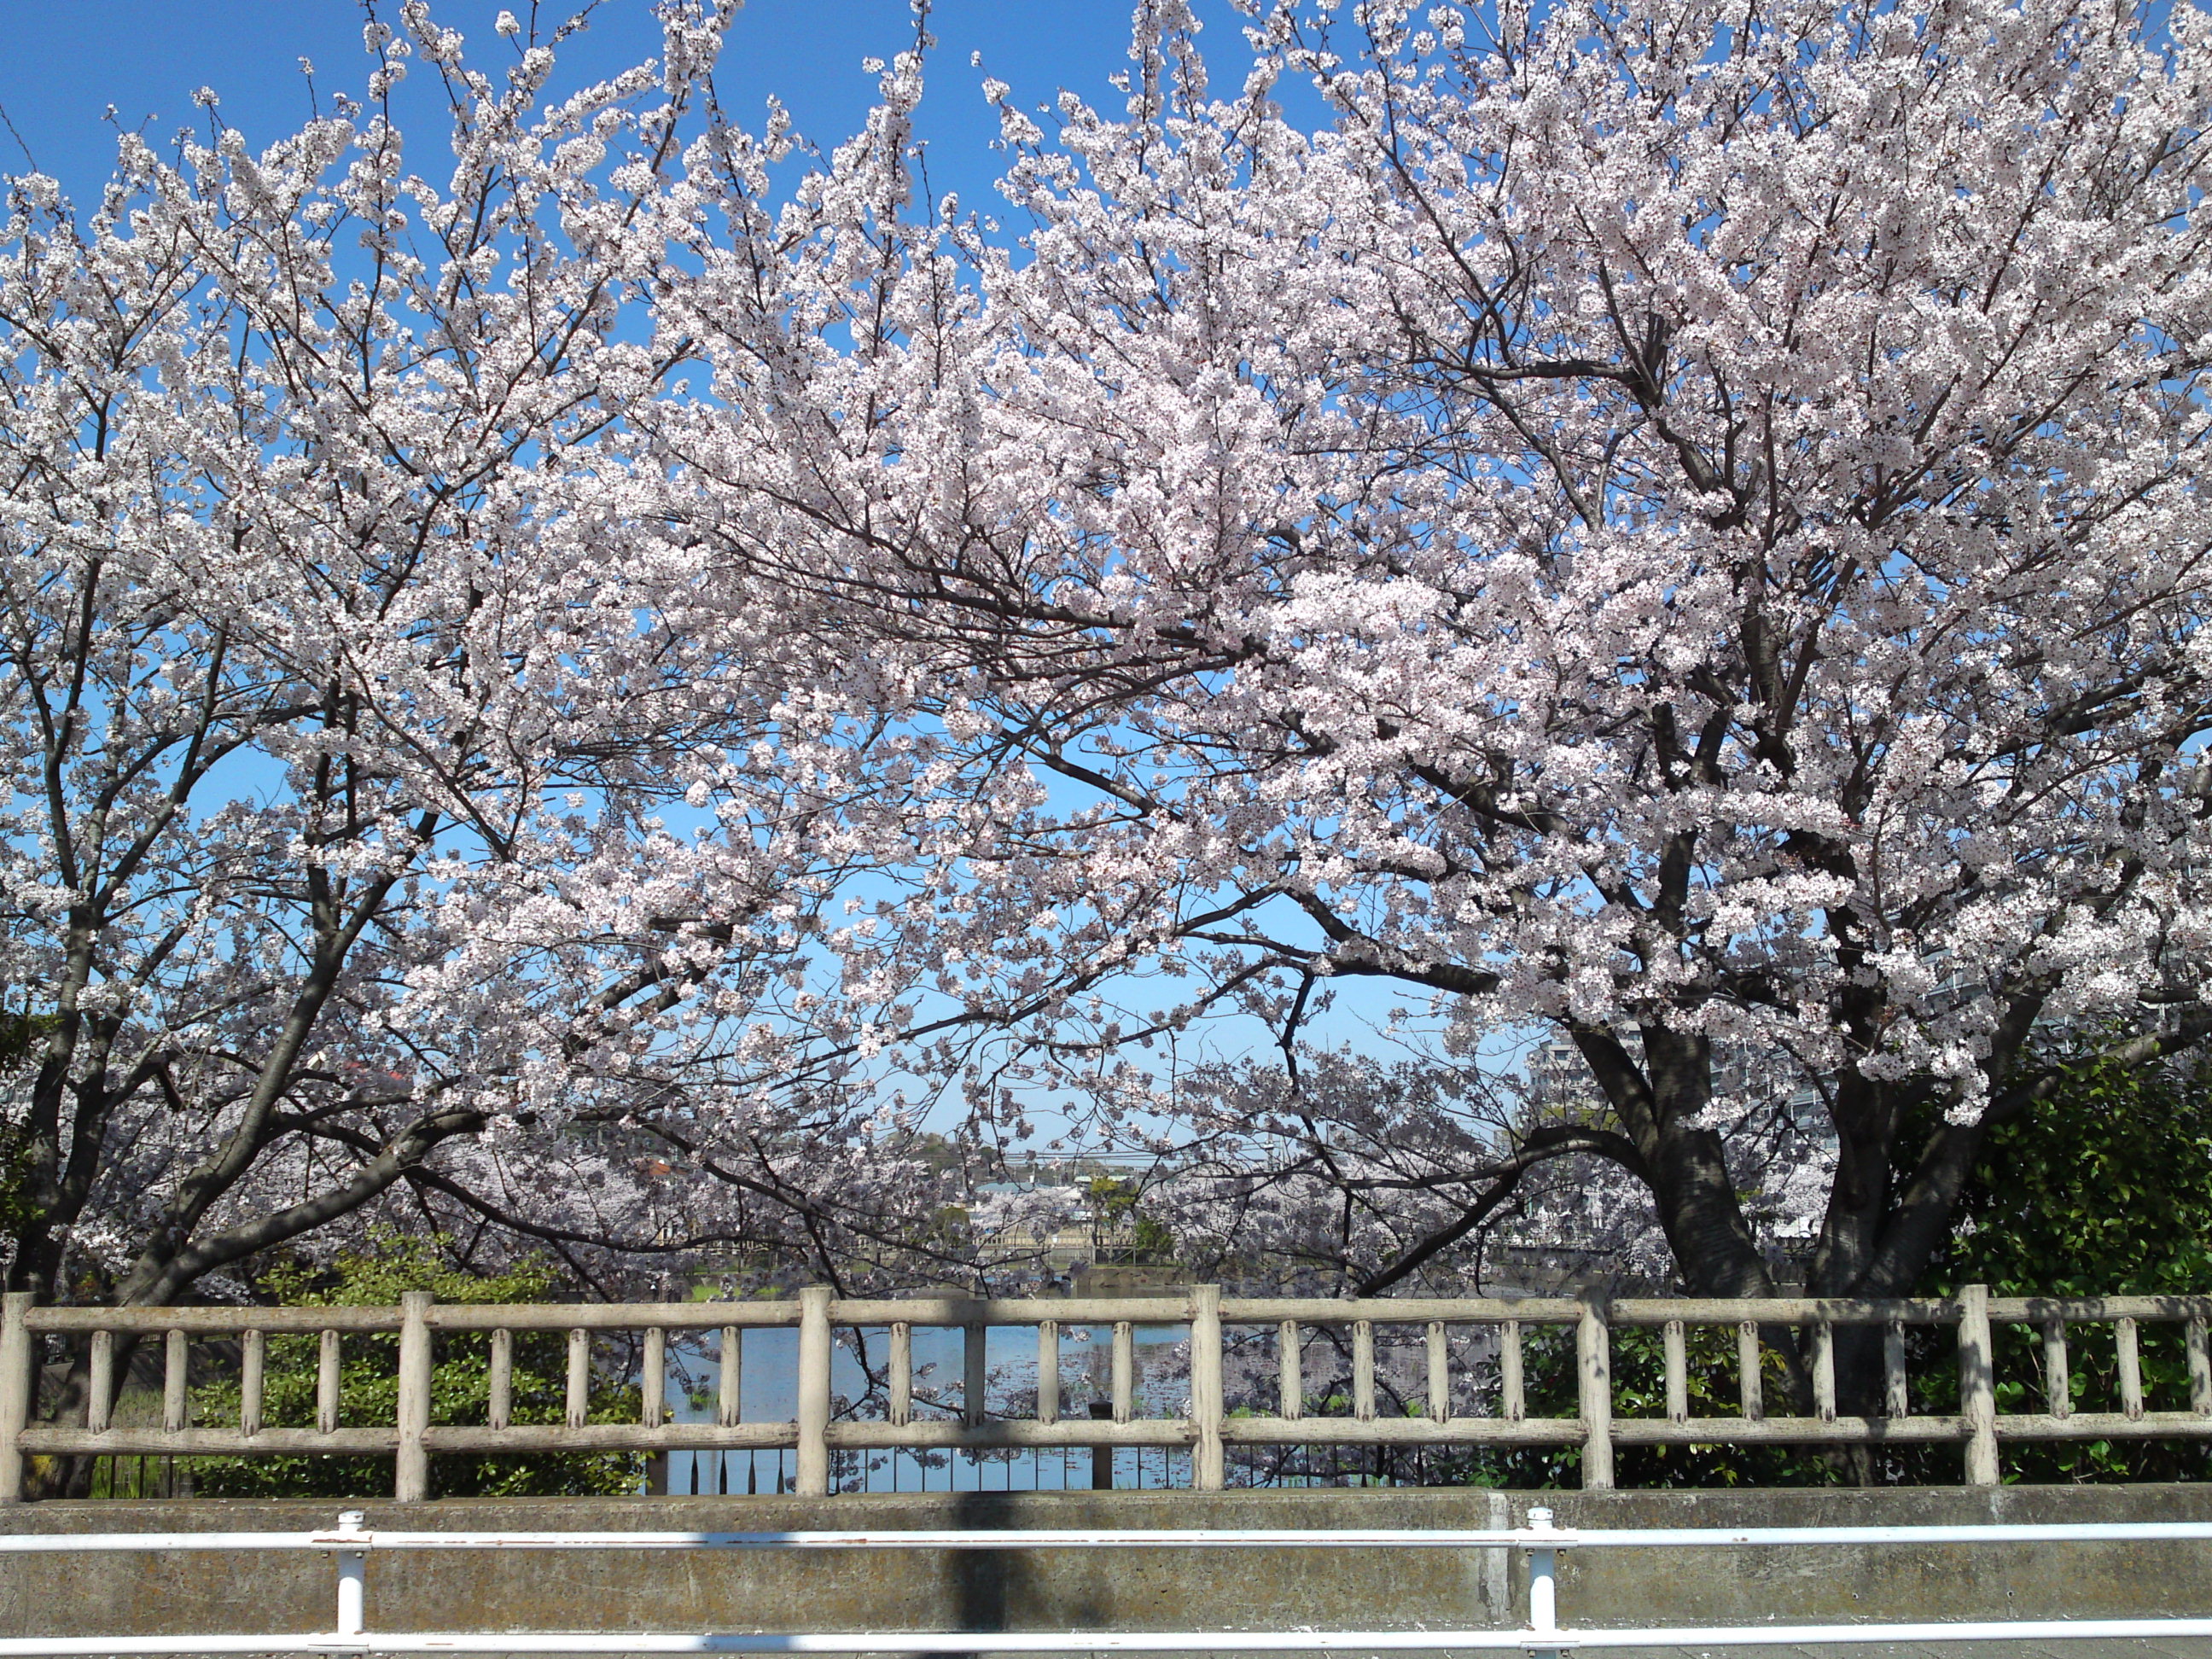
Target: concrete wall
99	1594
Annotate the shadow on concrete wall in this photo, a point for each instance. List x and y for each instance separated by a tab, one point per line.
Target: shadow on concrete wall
1000	1589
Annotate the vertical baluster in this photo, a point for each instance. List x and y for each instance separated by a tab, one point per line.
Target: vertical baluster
1047	1410
901	1376
2058	1378
1823	1370
1125	1371
1362	1370
1748	1383
2200	1370
730	1385
1898	1392
1290	1387
176	1360
579	1378
1513	1400
500	1405
1678	1372
2126	1351
251	1356
100	1403
1439	1374
327	1383
973	1373
655	1387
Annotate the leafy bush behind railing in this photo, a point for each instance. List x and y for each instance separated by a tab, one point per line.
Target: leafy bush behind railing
368	1387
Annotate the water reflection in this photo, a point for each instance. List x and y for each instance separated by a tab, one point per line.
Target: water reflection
859	1389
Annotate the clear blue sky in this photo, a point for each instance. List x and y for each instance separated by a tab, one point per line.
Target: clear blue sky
67	60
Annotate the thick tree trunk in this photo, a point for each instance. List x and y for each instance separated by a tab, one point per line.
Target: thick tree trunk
1660	1103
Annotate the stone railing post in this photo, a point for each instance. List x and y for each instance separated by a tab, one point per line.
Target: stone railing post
18	1387
1977	1402
1206	1409
1593	1390
411	1474
814	1352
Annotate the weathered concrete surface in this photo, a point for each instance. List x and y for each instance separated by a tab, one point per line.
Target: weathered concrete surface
1280	1590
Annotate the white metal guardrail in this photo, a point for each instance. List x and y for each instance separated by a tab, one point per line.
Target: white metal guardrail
1540	1543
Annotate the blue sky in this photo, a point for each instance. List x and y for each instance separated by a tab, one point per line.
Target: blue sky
68	60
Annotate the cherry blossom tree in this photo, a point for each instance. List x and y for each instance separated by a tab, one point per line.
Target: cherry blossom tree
1683	525
1677	527
346	733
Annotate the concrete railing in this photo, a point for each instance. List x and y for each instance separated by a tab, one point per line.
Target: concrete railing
1976	1425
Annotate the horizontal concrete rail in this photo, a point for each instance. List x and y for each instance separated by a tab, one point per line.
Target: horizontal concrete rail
817	1432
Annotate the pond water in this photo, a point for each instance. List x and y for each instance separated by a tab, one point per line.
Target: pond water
769	1395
